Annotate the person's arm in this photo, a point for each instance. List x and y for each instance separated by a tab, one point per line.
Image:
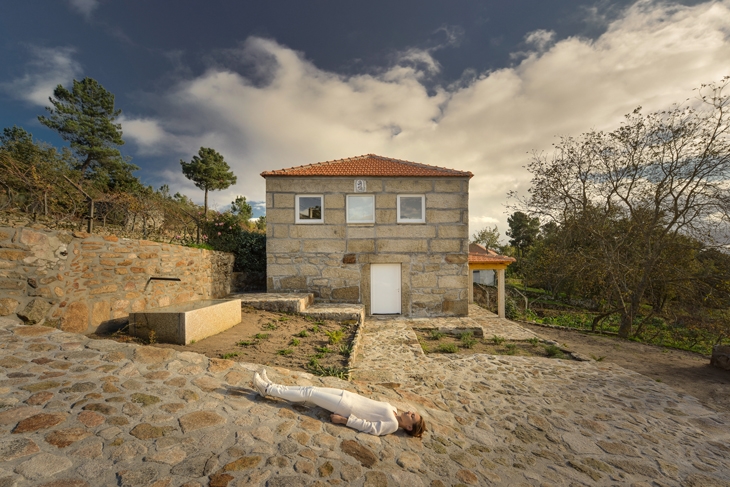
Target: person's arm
377	428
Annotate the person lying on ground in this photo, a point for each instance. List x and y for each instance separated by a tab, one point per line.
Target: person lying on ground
355	411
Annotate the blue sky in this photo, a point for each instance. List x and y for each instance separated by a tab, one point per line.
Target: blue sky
472	85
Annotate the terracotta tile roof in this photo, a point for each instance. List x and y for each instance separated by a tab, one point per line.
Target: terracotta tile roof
480	254
368	165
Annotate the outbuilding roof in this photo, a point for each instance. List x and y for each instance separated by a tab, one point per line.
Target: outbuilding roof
482	255
368	165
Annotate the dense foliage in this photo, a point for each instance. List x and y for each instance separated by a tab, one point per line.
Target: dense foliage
50	186
637	219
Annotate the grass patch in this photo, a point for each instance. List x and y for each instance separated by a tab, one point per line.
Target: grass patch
295	342
229	355
303	334
269	326
330	371
261	336
498	340
345	349
324	349
286	351
511	348
244	343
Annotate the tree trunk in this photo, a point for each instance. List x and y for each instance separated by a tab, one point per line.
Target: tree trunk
205	205
624	329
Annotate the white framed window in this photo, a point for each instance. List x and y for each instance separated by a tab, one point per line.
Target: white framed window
411	208
310	208
360	208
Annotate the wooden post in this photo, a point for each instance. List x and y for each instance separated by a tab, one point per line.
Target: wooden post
90	226
500	292
471	286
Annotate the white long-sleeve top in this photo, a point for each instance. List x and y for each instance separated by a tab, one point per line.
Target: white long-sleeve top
367	415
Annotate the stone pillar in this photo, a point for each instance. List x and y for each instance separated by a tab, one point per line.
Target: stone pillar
471	286
500	292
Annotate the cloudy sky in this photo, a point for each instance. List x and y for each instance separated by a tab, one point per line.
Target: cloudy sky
474	85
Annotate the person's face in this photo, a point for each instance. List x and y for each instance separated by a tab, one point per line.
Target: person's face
410	418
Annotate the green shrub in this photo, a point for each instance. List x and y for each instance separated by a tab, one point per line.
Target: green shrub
286	351
324	349
448	348
229	355
303	334
244	343
498	340
467	339
553	351
511	348
511	311
295	342
335	336
346	349
269	326
261	336
534	341
435	335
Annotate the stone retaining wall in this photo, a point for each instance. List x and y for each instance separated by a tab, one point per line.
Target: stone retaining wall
85	283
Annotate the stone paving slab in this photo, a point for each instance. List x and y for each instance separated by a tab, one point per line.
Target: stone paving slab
81	412
483	322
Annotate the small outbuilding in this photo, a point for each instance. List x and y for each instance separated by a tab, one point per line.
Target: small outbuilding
482	258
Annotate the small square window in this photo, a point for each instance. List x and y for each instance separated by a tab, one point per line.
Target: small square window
360	208
310	208
411	208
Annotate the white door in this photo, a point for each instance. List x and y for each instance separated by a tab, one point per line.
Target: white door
385	289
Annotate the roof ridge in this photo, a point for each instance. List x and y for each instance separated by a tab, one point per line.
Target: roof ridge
368	167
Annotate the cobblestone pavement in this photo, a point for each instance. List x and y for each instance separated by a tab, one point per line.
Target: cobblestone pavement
81	412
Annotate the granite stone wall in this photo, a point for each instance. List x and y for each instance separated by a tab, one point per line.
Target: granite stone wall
333	259
85	283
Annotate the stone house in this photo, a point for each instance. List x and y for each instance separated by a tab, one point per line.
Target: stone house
387	233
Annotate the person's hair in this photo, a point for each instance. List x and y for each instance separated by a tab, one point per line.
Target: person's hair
418	429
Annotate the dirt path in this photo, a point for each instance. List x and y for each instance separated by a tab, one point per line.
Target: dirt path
686	372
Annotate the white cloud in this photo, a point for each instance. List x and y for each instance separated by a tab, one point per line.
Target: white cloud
84	7
540	39
652	55
47	68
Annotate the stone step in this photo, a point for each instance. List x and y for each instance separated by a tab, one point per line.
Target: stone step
336	312
302	303
280	302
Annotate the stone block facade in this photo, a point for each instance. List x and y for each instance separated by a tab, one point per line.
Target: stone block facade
84	283
333	259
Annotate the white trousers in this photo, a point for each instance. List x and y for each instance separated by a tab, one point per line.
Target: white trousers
324	397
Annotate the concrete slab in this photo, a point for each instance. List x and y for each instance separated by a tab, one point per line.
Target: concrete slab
184	323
